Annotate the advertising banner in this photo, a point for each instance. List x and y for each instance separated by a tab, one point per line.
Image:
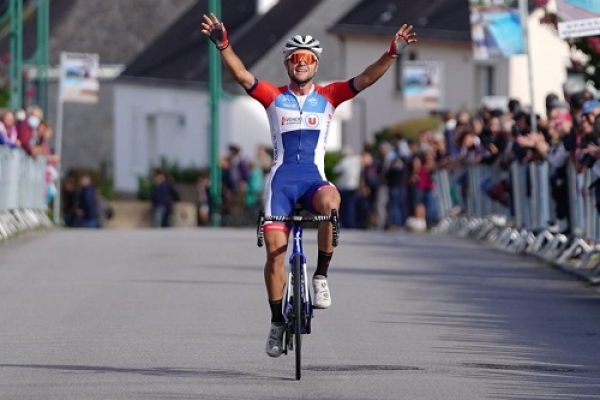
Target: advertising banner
422	85
79	78
578	18
496	30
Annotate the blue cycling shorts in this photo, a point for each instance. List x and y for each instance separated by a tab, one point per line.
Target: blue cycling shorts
293	184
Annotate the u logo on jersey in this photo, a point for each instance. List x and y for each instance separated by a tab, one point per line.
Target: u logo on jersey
312	120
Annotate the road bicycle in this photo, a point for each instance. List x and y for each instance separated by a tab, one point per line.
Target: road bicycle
297	304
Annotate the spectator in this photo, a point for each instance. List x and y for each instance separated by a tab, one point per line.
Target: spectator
69	204
348	170
401	146
425	204
87	203
590	110
27	130
45	133
558	157
235	177
371	180
492	141
8	130
588	151
393	171
528	146
264	159
449	125
203	200
253	194
162	197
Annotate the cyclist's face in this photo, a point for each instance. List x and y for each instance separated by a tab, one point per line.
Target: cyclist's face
302	66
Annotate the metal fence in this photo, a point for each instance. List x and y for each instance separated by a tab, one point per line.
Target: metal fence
512	209
22	192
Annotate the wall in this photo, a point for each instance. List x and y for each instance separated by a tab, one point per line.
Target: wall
153	121
549	58
381	105
87	137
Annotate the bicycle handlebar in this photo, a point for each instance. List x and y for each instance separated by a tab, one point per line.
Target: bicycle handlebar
296	219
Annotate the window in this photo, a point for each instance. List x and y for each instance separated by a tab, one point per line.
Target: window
487	77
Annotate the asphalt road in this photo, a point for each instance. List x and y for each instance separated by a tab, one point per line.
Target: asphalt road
182	314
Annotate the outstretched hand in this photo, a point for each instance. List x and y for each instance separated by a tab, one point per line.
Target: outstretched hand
215	31
403	38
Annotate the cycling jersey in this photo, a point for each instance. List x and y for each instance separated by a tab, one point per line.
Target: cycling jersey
299	129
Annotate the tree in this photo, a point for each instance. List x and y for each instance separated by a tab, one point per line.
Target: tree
590	46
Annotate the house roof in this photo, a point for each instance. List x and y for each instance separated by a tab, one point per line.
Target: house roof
115	30
181	53
433	19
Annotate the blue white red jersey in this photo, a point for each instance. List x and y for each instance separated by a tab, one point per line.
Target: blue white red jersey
299	130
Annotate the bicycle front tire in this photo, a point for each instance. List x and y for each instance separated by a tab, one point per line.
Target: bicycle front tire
297	274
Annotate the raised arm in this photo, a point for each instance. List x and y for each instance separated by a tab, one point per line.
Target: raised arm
373	72
217	33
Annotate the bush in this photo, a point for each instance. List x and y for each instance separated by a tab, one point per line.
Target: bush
412	127
174	171
144	187
331	158
178	173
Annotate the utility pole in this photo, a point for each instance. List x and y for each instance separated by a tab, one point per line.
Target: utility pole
40	58
214	73
42	53
15	15
524	11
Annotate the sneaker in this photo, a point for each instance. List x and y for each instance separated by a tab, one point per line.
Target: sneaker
274	346
321	290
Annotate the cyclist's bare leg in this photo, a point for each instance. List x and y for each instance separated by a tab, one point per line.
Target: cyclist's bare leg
275	279
275	275
326	199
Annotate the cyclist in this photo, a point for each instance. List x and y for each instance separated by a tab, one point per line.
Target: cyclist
299	114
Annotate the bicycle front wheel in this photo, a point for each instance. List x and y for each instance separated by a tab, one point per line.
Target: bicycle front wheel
297	274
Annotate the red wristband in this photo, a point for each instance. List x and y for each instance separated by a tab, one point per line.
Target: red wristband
392	50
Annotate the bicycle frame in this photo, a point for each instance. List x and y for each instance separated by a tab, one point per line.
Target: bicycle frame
306	299
297	307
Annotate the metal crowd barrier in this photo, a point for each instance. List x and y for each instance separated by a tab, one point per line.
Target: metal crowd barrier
22	192
522	225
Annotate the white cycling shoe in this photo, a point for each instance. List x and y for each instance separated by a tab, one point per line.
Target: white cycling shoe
274	345
321	290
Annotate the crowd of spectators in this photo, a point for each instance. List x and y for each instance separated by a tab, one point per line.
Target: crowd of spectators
568	134
29	131
390	184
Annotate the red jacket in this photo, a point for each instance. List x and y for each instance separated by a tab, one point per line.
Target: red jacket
26	136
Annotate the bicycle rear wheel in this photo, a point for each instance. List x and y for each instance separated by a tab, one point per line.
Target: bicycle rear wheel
297	274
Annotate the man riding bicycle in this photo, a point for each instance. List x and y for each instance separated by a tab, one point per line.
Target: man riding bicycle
299	116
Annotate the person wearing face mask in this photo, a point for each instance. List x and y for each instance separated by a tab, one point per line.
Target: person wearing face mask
27	130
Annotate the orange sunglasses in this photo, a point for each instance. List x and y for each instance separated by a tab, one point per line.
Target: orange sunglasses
308	58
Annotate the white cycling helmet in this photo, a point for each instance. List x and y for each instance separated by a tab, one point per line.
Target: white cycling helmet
302	42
